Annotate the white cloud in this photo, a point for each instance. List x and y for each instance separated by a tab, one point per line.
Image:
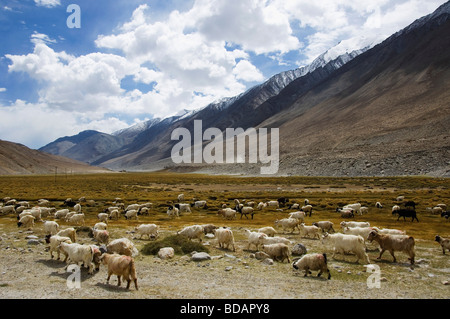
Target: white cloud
2	89
47	3
246	71
41	38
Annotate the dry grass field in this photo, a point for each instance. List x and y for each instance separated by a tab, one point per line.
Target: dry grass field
27	272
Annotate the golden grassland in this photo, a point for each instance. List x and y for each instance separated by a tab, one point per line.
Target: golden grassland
162	188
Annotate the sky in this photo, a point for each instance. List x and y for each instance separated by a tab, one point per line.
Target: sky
108	64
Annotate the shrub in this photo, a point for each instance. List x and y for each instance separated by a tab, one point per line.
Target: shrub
180	244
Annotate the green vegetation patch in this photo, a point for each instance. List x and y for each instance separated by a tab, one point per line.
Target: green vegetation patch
181	245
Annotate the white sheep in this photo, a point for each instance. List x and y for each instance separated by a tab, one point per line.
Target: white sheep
356	207
273	203
395	208
79	253
150	230
225	238
77	219
184	208
299	215
254	238
348	244
114	214
227	213
307	209
354	224
444	242
54	242
391	231
362	231
26	221
309	231
278	252
51	227
77	208
313	262
192	232
181	198
269	231
61	214
103	217
172	211
200	204
133	213
276	240
288	223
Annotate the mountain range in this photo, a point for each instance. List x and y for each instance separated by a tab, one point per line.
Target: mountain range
380	109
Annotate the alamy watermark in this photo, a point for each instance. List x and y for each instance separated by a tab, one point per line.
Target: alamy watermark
74	279
228	148
73	20
374	280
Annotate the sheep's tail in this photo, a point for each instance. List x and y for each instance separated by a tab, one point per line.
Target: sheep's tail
325	258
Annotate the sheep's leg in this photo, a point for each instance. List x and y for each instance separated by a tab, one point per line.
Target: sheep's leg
392	253
381	253
118	280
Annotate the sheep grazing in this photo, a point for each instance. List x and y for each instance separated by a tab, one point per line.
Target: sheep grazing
394	243
378	205
294	206
395	207
172	211
225	238
269	231
10	209
362	231
406	213
245	211
103	217
133	213
444	242
273	203
313	262
121	266
254	238
192	232
348	243
114	214
101	236
325	226
54	242
150	230
51	227
180	198
79	253
278	252
299	215
122	246
356	207
183	208
347	214
282	201
309	231
200	204
26	221
68	232
411	204
227	213
61	214
307	209
288	223
77	219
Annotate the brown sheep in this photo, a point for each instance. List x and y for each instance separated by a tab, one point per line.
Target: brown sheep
277	251
121	266
444	242
394	243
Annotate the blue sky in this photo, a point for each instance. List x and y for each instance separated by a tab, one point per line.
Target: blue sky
134	60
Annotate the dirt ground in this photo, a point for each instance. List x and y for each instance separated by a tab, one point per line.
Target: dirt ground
27	272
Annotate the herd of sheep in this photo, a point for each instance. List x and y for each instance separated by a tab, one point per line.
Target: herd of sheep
118	254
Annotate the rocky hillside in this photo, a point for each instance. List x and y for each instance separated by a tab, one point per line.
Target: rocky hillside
17	159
